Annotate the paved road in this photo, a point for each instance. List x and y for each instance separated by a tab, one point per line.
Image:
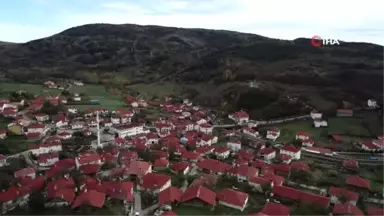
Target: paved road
149	210
137	203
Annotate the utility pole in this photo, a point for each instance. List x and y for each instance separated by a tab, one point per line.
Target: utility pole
98	130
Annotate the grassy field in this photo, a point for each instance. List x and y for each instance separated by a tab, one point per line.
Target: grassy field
98	92
205	210
321	103
347	126
288	130
15	144
156	90
31	88
4	123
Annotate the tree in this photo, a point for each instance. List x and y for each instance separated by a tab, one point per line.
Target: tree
36	202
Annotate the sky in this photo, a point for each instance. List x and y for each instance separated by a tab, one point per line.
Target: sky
353	20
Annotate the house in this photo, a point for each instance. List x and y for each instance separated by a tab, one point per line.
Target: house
42	117
25	172
181	167
239	117
78	83
351	164
302	135
87	158
268	153
344	113
161	163
374	211
45	148
154	182
372	103
221	152
358	182
232	199
38	128
137	169
72	110
300	196
199	193
76	97
89	197
243	173
61	121
50	84
316	114
115	120
3	160
127	130
61	191
292	151
48	159
77	125
346	209
190	156
342	194
169	196
250	132
163	127
273	133
10	112
308	142
261	183
273	209
234	145
64	135
206	128
320	123
3	133
134	104
213	166
371	146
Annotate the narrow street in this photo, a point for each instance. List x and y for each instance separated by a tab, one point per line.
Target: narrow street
137	203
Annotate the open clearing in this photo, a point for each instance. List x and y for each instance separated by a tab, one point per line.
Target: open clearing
288	130
30	88
156	90
100	93
347	126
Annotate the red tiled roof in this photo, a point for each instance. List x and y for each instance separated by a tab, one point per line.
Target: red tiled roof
189	155
117	190
346	111
92	198
199	192
267	151
290	148
154	180
374	211
24	172
343	192
88	157
275	209
169	195
299	165
232	197
243	170
213	165
260	180
180	166
245	154
358	181
90	169
300	196
161	163
138	168
351	164
303	133
62	188
347	209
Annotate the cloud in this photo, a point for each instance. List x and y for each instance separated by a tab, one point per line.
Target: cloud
272	18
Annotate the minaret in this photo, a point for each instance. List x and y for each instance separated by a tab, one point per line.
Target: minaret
98	130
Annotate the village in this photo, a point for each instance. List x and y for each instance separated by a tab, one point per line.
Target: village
172	157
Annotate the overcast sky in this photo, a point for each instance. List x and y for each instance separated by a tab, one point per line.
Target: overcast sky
353	20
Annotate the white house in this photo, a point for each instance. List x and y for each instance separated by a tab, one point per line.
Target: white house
42	117
234	145
336	193
268	153
46	148
250	132
206	128
77	125
273	133
38	128
316	115
232	199
320	123
302	135
72	110
115	120
239	117
48	159
221	152
292	151
87	158
127	130
3	160
372	103
65	135
308	142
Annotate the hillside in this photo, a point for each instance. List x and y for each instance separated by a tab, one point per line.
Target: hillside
193	56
